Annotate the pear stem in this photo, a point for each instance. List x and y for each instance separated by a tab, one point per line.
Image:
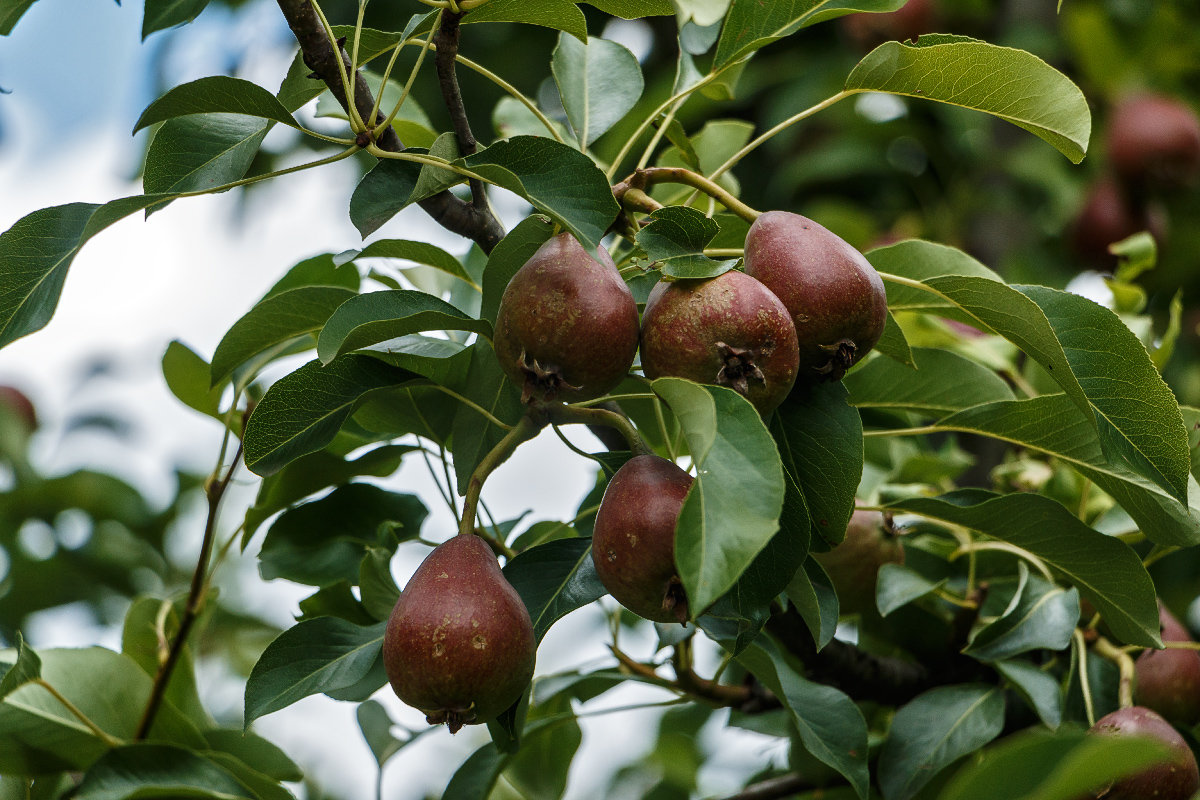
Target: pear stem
652	175
1125	666
565	415
530	425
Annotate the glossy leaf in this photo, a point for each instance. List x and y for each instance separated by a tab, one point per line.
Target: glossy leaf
313	656
376	726
898	585
829	723
1040	766
1012	84
1105	570
561	15
201	152
276	320
1041	616
156	770
893	343
419	252
187	376
11	11
932	731
554	579
599	82
303	411
1054	425
941	383
142	639
376	585
557	180
820	441
1039	688
474	436
324	541
812	593
216	94
750	25
732	509
382	193
634	9
375	317
27	667
509	255
675	238
918	259
163	14
253	749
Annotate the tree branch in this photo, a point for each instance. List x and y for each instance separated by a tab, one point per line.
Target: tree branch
452	213
446	42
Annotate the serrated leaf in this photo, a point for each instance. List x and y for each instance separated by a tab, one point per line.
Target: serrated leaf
561	15
751	25
733	507
941	383
187	376
1105	570
162	14
898	585
313	656
276	320
157	770
303	411
201	152
554	579
508	256
599	83
932	731
216	94
556	179
1012	84
375	317
829	723
675	238
324	541
1039	688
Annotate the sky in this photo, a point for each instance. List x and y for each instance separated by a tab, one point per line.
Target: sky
78	77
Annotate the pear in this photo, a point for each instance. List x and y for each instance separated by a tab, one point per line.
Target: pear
1174	778
854	564
459	644
1168	681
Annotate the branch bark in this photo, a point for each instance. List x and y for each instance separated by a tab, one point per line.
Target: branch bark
446	41
453	214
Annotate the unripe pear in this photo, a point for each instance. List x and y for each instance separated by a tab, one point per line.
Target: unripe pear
567	326
1175	778
836	298
729	331
853	565
1168	681
459	644
633	543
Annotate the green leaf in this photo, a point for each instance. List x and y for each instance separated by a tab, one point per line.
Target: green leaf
303	411
419	252
932	731
812	593
508	256
26	668
39	735
599	82
733	507
201	152
313	656
820	441
478	774
675	238
375	317
941	383
1036	765
1105	570
1011	84
898	585
322	542
634	9
277	320
156	770
254	749
143	640
162	14
557	180
561	15
751	25
382	193
217	94
1054	425
893	343
11	11
920	260
554	579
829	723
376	726
473	435
187	376
375	583
434	179
320	270
1039	688
1040	616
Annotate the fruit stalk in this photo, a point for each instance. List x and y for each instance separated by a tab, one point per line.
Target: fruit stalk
579	415
652	175
530	425
1106	649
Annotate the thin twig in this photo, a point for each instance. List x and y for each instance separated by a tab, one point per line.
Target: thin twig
446	42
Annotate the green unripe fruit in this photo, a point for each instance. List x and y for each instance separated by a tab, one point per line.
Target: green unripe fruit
854	564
